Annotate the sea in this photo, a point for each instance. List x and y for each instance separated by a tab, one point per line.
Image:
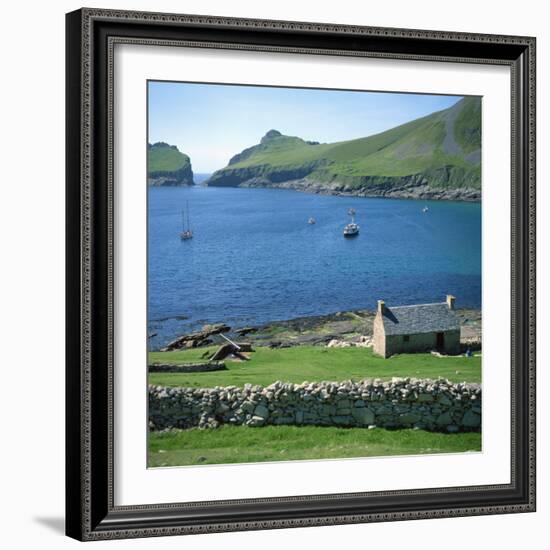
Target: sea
254	258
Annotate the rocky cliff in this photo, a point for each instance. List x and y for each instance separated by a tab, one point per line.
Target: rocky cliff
167	166
434	157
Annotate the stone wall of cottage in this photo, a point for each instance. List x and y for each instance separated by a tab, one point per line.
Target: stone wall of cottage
422	343
437	405
378	336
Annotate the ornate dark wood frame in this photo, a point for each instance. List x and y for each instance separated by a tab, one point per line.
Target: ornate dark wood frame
90	510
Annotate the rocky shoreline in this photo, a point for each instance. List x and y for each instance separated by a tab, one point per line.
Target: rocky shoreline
339	329
411	187
411	160
343	326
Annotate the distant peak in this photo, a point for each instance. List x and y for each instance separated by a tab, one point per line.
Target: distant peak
271	134
162	145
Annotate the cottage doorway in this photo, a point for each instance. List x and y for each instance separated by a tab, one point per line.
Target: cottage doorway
440	340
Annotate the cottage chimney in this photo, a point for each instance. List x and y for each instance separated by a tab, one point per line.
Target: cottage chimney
381	307
451	301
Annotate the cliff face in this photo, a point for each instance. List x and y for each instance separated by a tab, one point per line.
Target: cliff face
437	156
167	166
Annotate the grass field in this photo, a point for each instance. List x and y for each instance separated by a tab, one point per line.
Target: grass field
237	444
312	364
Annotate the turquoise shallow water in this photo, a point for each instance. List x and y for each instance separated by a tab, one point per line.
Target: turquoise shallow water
254	258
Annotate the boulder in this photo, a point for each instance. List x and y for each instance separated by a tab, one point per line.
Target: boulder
363	416
409	418
256	421
471	419
246	330
196	339
261	411
444	419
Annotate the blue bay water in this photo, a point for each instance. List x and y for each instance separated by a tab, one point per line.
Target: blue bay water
254	258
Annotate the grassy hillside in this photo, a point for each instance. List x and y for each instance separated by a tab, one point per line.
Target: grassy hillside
438	150
467	128
168	166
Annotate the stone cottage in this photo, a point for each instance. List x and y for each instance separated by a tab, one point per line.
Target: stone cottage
417	328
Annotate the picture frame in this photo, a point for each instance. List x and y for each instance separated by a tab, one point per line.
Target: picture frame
91	511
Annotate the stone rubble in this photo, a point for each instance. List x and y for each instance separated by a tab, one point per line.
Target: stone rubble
360	342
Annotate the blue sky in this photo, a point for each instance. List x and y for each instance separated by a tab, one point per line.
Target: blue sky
213	122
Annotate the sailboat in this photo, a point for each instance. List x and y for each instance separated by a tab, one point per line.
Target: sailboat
311	221
186	233
351	229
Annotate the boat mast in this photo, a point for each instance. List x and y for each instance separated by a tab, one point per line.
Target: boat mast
188	223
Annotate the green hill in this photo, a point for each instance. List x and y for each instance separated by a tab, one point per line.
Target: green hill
168	166
436	156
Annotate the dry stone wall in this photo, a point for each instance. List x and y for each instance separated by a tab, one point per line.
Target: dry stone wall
436	405
208	366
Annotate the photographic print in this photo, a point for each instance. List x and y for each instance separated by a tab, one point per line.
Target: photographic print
314	274
297	256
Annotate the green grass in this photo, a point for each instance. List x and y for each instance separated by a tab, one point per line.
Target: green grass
237	444
468	125
314	363
411	148
165	158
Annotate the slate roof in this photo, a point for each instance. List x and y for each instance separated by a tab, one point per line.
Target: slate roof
419	319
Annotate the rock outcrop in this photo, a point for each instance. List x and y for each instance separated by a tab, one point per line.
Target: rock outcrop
196	339
167	166
434	157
